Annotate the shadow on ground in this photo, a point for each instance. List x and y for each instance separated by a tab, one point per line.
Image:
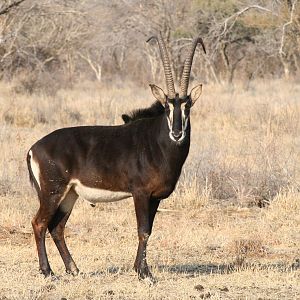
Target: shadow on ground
192	270
197	269
111	270
206	269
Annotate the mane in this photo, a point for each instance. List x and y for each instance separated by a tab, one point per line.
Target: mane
155	110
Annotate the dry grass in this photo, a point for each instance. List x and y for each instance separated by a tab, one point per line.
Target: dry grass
218	244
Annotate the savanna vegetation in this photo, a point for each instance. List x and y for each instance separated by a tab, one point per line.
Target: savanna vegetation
231	229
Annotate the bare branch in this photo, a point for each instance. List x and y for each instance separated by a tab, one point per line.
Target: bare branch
239	13
234	18
96	67
9	7
281	52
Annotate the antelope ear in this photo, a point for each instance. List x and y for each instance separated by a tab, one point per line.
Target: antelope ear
158	93
195	93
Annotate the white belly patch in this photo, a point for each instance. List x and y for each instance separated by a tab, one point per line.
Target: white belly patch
94	195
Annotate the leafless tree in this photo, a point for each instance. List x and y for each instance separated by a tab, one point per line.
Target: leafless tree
105	40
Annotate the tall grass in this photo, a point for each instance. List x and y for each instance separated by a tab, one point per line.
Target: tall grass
244	142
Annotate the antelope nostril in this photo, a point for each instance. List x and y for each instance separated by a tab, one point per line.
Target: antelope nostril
177	133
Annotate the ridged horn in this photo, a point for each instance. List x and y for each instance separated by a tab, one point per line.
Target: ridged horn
185	78
166	64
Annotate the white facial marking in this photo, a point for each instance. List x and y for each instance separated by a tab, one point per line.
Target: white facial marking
35	169
170	117
170	121
183	118
184	122
94	195
171	137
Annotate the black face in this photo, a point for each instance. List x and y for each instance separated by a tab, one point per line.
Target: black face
178	112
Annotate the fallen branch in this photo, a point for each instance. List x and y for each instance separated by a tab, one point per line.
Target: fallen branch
167	210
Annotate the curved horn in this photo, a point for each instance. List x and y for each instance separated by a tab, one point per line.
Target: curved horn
166	63
184	82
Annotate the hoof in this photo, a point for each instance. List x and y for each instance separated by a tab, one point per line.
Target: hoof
73	272
47	273
145	275
149	280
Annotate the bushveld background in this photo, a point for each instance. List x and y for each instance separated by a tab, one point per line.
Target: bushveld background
232	228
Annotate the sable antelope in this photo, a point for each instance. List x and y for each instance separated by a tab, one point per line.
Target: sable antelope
141	159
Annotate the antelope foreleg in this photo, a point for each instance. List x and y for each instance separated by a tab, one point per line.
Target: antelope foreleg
145	209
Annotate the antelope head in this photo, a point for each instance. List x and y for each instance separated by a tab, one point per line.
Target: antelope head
177	105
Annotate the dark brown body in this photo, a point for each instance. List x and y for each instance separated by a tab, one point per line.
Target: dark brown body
141	158
137	158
